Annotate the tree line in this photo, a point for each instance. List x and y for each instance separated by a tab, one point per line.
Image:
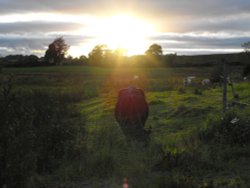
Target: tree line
101	55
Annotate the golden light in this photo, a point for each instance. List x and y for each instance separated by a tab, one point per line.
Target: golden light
123	32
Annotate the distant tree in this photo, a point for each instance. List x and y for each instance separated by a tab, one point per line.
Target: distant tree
170	59
97	55
20	60
154	54
70	58
56	51
31	60
83	59
246	47
154	50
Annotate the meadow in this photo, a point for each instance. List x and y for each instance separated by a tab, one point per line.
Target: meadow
192	143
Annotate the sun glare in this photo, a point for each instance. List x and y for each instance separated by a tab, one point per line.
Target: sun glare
122	32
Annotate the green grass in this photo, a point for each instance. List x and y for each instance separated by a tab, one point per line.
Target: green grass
177	114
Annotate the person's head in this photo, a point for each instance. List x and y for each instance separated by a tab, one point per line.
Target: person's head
125	180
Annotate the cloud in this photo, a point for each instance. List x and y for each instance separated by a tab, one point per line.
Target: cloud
74	6
16	44
230	23
166	7
38	27
201	43
185	43
185	26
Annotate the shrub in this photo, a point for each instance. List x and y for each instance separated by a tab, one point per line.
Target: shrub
246	70
233	128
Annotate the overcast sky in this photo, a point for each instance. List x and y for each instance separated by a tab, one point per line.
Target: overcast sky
182	26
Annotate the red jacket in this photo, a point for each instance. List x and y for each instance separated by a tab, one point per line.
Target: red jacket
131	107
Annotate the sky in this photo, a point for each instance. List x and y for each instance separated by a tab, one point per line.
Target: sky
185	27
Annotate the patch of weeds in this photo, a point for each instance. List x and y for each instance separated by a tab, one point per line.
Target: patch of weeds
233	128
40	131
181	110
181	90
155	102
197	91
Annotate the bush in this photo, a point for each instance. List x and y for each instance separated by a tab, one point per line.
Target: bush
233	128
246	70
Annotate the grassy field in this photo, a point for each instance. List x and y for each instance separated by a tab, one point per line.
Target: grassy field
191	144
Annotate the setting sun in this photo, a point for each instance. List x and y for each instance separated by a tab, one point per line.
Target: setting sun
123	32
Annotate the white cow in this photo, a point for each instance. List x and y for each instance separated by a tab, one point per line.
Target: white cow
188	80
205	82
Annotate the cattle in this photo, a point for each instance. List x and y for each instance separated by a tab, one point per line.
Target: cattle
131	112
205	82
188	80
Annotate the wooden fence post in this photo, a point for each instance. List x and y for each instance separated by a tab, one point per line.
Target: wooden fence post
224	96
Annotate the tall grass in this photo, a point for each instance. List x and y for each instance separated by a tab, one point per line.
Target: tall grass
39	133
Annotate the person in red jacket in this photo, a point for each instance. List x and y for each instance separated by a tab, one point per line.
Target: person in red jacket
125	183
131	112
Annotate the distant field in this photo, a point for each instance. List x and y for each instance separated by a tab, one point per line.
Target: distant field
176	111
67	76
